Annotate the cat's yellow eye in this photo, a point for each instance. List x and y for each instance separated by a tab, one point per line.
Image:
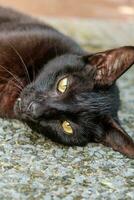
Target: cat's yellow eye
67	128
62	85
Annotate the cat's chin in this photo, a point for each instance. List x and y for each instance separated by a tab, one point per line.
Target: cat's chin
16	109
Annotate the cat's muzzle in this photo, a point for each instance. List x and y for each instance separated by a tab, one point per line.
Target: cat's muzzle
32	110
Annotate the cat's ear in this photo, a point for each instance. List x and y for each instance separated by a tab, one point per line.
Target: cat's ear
110	65
116	138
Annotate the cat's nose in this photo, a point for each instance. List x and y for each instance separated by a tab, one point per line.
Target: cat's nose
34	109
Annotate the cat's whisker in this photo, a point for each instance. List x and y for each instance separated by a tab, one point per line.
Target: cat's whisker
15	78
18	86
22	61
33	70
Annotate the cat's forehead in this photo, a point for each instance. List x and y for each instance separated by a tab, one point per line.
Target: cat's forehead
63	62
60	66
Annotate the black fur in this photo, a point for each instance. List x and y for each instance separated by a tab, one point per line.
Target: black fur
39	56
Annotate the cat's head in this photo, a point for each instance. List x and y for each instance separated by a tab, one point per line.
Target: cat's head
74	99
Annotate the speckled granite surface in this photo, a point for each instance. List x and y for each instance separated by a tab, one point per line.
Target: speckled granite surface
32	167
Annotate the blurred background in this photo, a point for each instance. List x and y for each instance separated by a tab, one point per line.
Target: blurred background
110	9
94	24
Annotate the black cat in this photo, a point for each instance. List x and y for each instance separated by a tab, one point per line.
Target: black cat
69	95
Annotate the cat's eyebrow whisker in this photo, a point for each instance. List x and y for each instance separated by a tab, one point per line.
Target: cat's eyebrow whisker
20	85
22	61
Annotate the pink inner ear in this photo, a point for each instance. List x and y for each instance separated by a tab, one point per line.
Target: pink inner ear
109	70
111	64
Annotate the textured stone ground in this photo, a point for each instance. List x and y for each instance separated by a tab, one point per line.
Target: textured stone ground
32	167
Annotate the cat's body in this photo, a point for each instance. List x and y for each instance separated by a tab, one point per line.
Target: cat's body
35	61
37	43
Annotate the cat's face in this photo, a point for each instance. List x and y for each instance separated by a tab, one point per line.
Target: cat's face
69	101
64	102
